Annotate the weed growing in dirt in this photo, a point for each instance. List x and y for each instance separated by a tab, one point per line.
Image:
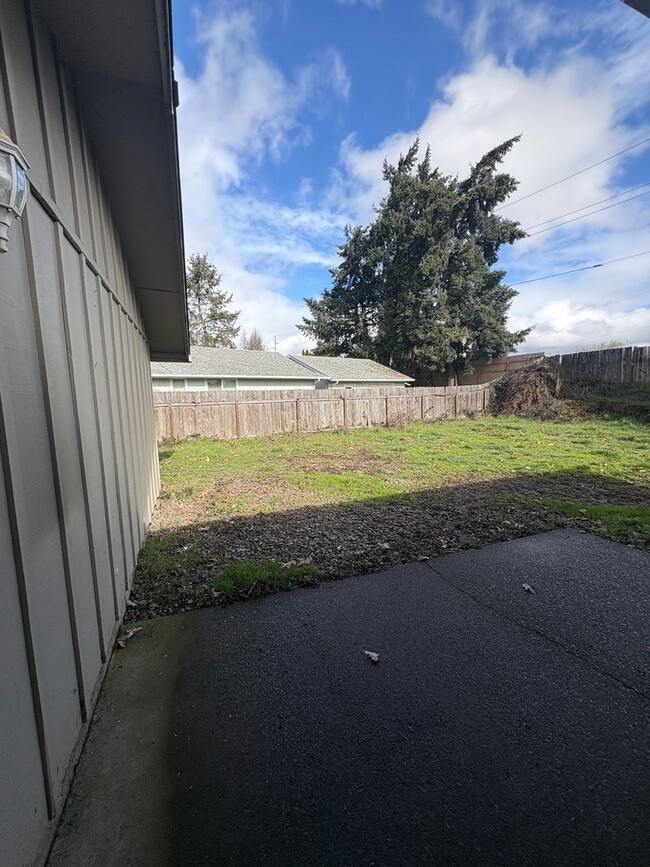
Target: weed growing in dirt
629	524
246	578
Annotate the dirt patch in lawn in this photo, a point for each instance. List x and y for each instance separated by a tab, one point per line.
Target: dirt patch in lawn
355	461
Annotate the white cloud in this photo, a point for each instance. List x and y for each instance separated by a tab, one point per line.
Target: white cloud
237	113
446	11
371	4
241	108
572	109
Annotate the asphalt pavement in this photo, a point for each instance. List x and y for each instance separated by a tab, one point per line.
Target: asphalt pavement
502	725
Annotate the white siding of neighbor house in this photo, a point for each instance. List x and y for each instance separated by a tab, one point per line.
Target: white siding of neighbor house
229	383
78	466
274	384
342	383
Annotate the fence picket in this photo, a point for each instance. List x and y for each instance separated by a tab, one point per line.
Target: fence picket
628	365
263	413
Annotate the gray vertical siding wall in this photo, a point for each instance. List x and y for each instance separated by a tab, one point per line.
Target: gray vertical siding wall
78	467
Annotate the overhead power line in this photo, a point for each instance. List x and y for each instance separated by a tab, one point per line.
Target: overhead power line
590	214
620	316
584	268
624	315
606	304
625	298
585	207
575	174
609	319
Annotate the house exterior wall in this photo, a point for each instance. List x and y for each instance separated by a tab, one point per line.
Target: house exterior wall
343	383
274	384
78	466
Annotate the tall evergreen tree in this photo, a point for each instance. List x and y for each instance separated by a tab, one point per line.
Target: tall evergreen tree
211	323
416	289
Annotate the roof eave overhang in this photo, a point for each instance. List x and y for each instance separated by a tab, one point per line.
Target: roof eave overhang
121	57
642	6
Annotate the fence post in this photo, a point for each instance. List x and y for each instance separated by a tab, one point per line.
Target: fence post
386	402
170	422
421	407
455	404
237	419
621	375
345	411
297	415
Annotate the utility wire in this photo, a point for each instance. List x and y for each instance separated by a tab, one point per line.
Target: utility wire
591	213
625	298
574	175
609	319
592	205
585	268
619	316
607	304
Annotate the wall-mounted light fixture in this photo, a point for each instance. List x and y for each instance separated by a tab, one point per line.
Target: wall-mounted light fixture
13	186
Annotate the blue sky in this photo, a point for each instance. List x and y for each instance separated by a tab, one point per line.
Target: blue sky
288	108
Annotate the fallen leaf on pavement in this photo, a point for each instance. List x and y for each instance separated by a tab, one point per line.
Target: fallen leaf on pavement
121	641
385	546
372	656
528	588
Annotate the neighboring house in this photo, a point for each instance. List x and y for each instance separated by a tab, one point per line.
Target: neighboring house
351	372
217	369
91	288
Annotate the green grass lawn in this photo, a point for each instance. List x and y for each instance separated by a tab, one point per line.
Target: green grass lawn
619	400
362	500
384	461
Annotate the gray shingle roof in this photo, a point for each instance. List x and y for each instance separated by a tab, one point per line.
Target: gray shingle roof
351	369
216	362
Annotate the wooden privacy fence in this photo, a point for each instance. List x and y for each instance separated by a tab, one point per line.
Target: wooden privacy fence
629	365
484	371
229	415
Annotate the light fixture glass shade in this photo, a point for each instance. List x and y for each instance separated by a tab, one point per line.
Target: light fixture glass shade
21	190
13	186
6	180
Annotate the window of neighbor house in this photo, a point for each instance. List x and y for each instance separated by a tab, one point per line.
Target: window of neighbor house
178	384
214	385
162	384
230	383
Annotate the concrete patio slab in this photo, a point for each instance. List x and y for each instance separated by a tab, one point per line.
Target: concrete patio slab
590	595
260	733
